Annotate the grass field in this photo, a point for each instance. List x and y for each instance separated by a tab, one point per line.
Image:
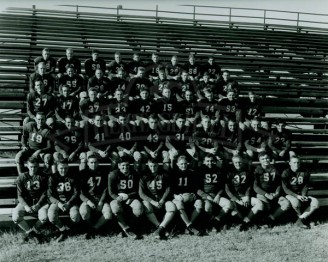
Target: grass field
282	243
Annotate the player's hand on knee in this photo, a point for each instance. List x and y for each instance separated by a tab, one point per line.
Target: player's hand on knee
100	206
91	204
35	208
28	209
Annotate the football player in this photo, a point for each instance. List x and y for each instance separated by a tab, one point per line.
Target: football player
295	181
94	196
45	78
267	186
68	61
117	105
188	107
94	63
63	194
231	138
154	190
48	60
73	80
137	83
193	68
91	106
229	108
209	106
118	82
251	108
67	105
173	69
142	107
225	82
132	67
167	106
159	84
183	85
212	68
115	65
238	188
123	187
216	203
100	83
32	200
153	67
35	141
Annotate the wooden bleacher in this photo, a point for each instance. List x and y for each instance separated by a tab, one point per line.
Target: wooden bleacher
285	64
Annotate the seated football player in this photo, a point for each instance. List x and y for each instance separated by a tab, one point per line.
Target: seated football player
123	188
238	188
98	141
35	141
209	106
193	68
203	85
39	101
48	60
183	85
212	191
295	183
229	108
32	200
188	107
225	82
67	105
137	83
91	106
185	184
153	67
206	139
167	106
68	141
154	190
255	139
268	189
115	65
173	69
231	139
63	194
212	68
141	108
280	142
94	63
45	78
117	105
118	82
100	83
69	61
73	80
179	136
251	108
132	67
159	84
95	208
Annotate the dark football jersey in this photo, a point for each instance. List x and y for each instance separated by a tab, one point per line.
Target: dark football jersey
89	108
63	188
193	70
167	107
99	137
67	106
185	181
116	107
179	138
159	85
251	110
173	70
229	109
113	67
136	84
207	138
35	138
121	183
118	83
281	140
213	180
223	86
69	140
209	108
91	66
267	179
75	83
40	103
142	107
125	136
46	79
256	138
183	86
232	140
296	181
94	186
50	64
155	186
132	67
102	85
152	138
239	182
31	190
188	108
64	63
212	69
152	69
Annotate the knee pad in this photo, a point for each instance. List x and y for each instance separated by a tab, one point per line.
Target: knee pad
284	204
170	207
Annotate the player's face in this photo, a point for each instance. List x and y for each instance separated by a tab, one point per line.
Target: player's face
92	95
136	58
99	74
154	58
69	54
40	120
141	73
237	163
97	121
120	74
124	167
206	123
123	120
252	98
65	91
50	122
38	87
92	163
209	96
209	162
295	164
265	160
144	95
231	126
206	78
180	122
166	93
255	125
265	125
230	95
117	58
119	95
32	168
210	61
280	127
62	169
42	68
182	164
191	60
152	123
161	75
69	123
70	71
153	167
184	76
174	61
45	54
226	75
188	96
94	56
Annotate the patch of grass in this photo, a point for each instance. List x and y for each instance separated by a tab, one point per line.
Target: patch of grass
282	243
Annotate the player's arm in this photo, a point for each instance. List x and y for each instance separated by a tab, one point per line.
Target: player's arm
257	188
112	185
75	195
48	146
80	86
21	191
83	110
31	82
142	191
166	194
250	147
51	192
24	139
230	193
43	197
305	189
30	106
84	193
51	104
285	185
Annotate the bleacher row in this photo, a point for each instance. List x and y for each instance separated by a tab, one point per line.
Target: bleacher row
286	68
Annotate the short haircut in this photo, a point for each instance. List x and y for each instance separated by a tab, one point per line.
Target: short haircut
117	53
262	154
63	162
94	51
123	159
33	160
153	116
45	49
92	89
182	157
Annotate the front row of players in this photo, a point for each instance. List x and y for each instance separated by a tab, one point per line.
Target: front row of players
162	196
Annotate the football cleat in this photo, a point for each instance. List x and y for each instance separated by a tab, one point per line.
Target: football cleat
62	236
192	230
131	234
302	223
160	233
244	227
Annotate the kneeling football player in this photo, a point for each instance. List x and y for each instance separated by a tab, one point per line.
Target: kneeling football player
94	194
154	190
63	193
185	183
123	186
